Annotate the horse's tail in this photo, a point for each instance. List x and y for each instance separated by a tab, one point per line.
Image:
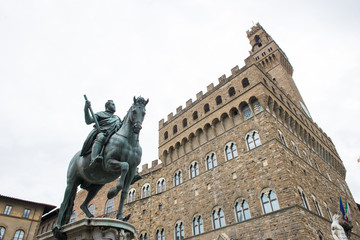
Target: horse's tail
71	189
69	210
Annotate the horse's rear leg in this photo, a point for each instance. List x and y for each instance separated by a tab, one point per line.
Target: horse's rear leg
92	191
124	167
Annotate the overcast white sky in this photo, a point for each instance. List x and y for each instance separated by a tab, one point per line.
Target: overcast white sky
53	52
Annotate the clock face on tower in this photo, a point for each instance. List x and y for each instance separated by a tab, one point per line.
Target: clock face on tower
305	109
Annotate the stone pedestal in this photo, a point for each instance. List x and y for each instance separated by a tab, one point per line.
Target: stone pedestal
95	229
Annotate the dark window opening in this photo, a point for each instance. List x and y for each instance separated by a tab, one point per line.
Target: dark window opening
206	108
245	82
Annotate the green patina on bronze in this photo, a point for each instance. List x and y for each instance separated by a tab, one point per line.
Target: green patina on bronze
93	167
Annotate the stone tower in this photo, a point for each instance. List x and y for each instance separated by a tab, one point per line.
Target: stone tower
242	161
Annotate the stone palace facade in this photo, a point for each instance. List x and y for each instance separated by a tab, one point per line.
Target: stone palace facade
245	160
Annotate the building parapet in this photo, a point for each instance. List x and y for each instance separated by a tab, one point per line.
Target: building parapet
200	95
155	165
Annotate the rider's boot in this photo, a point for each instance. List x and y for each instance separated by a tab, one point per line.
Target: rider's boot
96	156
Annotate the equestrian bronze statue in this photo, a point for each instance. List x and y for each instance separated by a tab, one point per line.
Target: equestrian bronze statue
117	153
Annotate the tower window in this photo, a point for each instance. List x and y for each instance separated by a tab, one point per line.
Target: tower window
206	108
175	129
231	91
195	115
258	41
218	100
184	122
245	82
166	135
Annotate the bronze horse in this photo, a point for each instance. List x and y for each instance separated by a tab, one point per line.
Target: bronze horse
122	155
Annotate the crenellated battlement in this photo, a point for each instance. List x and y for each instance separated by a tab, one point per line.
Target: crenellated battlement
200	95
253	30
155	165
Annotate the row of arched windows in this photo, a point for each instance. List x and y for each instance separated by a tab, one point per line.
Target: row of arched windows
230	152
306	204
19	234
269	203
297	129
206	107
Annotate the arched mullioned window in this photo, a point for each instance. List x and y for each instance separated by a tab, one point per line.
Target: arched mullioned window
92	209
179	231
246	111
269	202
2	232
175	129
143	236
194	170
73	216
178	178
218	218
245	82
145	190
253	140
317	207
160	234
132	195
231	91
282	138
218	100
195	115
19	235
230	151
303	198
307	158
211	161
109	206
160	185
184	122
166	135
206	108
242	211
296	151
198	226
328	211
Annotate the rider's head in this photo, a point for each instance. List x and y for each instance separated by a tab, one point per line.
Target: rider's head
110	106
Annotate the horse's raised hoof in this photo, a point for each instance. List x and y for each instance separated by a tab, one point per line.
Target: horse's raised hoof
86	211
112	192
58	233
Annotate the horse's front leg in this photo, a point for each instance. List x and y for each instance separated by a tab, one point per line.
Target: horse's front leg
124	192
115	165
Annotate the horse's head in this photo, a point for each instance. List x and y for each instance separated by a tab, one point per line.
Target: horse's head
137	113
